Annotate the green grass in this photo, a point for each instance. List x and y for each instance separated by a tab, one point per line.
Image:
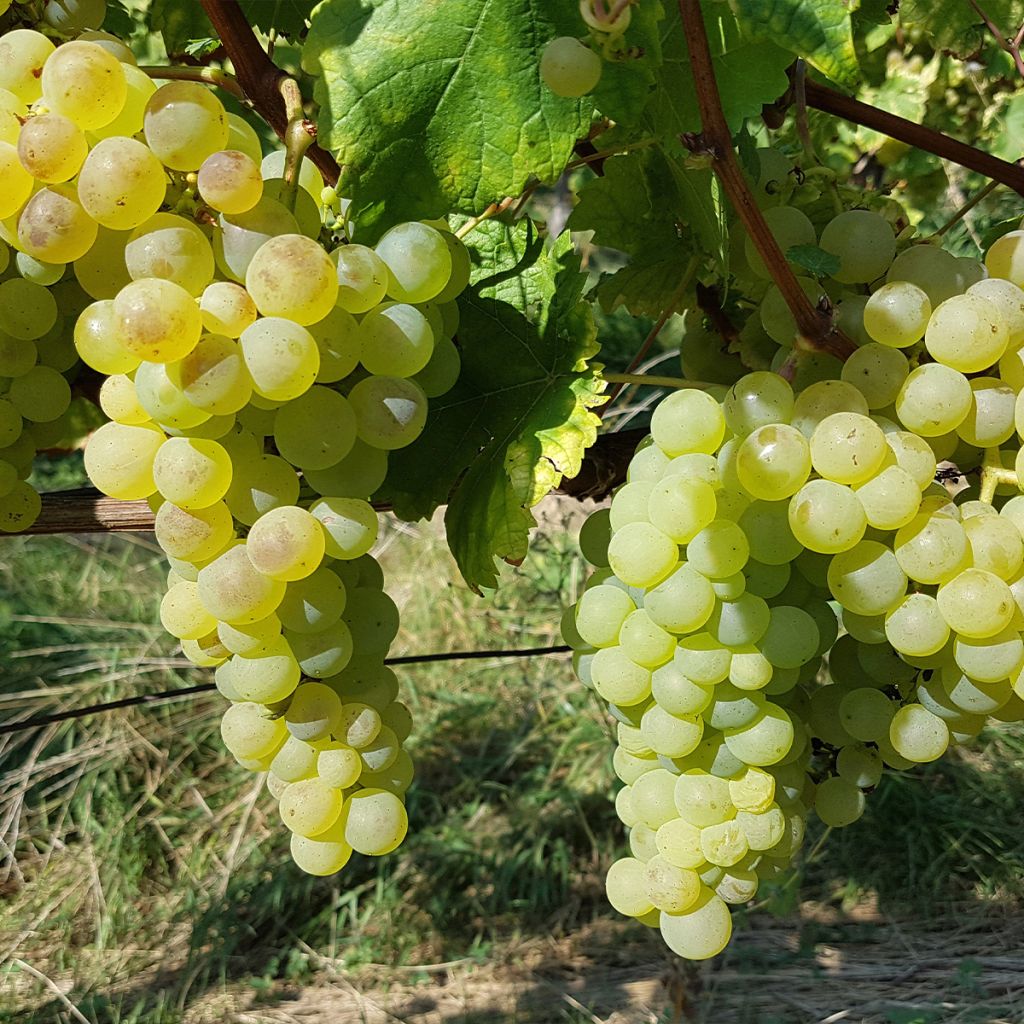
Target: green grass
152	879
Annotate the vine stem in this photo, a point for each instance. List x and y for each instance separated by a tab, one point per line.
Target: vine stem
654	380
260	78
968	206
831	102
297	140
815	327
212	76
994	473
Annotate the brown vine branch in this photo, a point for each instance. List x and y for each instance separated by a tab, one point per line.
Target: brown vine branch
815	326
1012	47
928	139
260	78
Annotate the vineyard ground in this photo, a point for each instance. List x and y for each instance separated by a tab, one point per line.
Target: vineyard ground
152	884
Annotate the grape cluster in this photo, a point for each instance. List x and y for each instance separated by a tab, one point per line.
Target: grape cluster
786	602
571	68
256	376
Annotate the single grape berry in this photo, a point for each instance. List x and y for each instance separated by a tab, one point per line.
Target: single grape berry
568	68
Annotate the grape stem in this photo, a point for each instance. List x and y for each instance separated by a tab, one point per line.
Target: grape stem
966	208
816	329
259	78
212	76
1012	47
654	380
297	140
994	473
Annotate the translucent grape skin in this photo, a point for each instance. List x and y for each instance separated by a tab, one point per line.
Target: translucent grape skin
568	68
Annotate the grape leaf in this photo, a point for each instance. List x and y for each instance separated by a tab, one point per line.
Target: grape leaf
519	418
955	26
817	30
819	262
644	288
749	73
628	77
181	24
436	107
289	17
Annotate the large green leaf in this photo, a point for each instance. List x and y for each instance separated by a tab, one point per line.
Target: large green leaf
956	26
519	418
749	73
435	107
817	30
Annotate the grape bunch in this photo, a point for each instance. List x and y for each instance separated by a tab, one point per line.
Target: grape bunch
572	68
786	600
256	374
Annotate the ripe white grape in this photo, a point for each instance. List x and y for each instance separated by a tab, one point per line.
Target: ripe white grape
966	332
897	314
23	54
171	248
864	242
291	276
85	83
418	262
121	184
184	124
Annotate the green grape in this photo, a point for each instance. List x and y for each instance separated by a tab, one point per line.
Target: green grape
914	455
838	802
15	181
891	499
27	310
641	555
666	886
568	68
291	276
310	807
250	639
702	931
337	337
349	524
826	517
600	614
157	320
1009	300
630	503
227	309
702	659
315	430
102	272
286	543
652	798
295	760
724	843
877	372
771	540
990	419
23	54
718	551
251	731
678	842
391	412
121	184
313	713
19	508
52	148
192	472
867	579
865	713
702	799
442	371
678	695
324	854
382	753
230	181
996	545
242	136
119	459
936	272
357	475
85	83
918	735
934	399
618	679
848	448
41	395
193	536
644	641
395	340
762	829
232	589
360	724
791	639
418	262
313	603
776	316
10	425
182	613
688	421
967	333
679	508
932	548
260	484
789	227
849	316
822	400
109	42
241	235
213	376
897	314
1003	259
362	278
37	272
976	604
461	269
972	697
740	622
72	16
272	166
863	241
649	464
171	248
338	765
184	123
758	399
766	581
140	87
375	822
773	462
304	208
860	765
281	356
54	228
